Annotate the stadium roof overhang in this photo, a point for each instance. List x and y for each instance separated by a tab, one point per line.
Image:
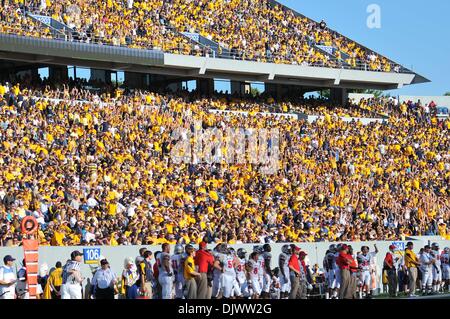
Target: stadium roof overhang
45	51
288	74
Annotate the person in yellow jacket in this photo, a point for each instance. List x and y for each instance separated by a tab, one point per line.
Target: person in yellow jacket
54	282
411	263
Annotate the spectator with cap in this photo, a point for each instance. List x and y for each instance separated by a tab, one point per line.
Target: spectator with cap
8	278
104	281
53	287
204	260
294	267
390	262
190	274
71	277
411	263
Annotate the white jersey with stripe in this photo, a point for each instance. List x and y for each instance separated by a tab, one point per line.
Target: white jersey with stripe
364	262
262	265
436	254
255	268
228	265
424	259
240	270
162	269
284	260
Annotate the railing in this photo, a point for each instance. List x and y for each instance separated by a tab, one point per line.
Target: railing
197	49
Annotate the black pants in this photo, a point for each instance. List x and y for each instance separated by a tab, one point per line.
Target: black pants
107	293
53	293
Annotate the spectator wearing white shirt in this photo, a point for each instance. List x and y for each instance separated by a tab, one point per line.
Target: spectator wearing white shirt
8	279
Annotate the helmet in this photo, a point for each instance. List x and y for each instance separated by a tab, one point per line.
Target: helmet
267	248
446	249
189	247
435	246
222	248
178	249
332	248
241	252
338	247
231	251
258	249
286	249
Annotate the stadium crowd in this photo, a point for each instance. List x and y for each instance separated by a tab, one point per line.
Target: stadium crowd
250	30
223	272
100	172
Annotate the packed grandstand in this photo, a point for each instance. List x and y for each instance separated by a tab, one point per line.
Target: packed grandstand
263	31
92	160
96	169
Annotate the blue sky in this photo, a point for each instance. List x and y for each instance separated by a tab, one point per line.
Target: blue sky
414	33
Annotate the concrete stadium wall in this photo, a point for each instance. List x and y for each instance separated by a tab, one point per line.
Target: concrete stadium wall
439	100
117	255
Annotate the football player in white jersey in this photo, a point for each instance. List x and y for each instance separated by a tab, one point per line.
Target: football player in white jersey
365	263
334	274
241	273
427	264
219	256
254	269
177	261
165	276
267	271
445	265
262	268
283	264
229	282
437	271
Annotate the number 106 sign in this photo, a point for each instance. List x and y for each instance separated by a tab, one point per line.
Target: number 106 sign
91	255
